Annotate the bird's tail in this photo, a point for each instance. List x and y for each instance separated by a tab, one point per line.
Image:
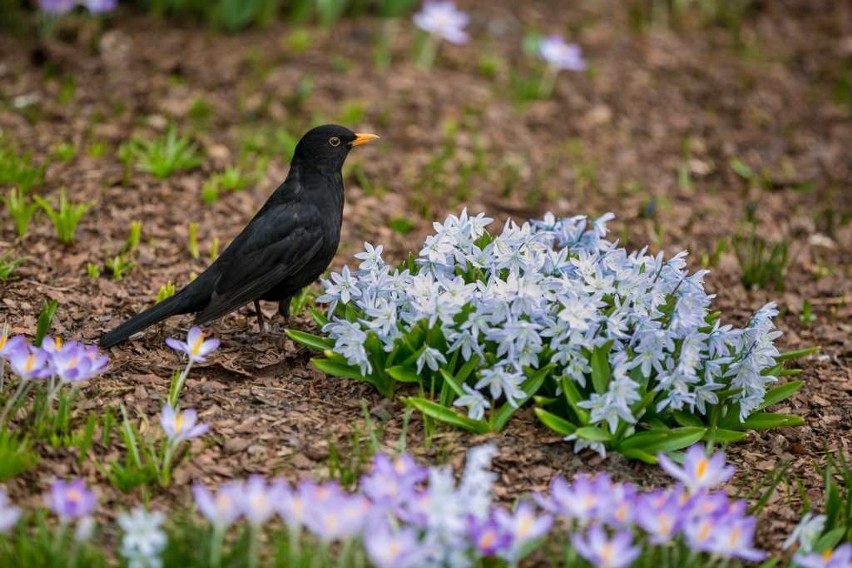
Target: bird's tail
177	304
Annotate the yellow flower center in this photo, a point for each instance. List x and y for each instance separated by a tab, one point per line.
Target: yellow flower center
3	340
524	527
394	550
58	342
828	555
701	468
29	363
196	345
178	422
487	540
74	496
223	502
607	553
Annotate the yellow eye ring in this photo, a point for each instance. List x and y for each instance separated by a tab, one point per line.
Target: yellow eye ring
334	141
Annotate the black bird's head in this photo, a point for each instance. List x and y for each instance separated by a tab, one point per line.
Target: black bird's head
326	147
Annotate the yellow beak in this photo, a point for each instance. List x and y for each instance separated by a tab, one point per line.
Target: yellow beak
363	138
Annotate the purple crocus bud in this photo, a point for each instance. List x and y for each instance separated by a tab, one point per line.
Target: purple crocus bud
196	347
181	425
604	552
9	514
71	500
221	509
56	7
561	55
100	6
583	500
698	471
29	363
488	536
444	20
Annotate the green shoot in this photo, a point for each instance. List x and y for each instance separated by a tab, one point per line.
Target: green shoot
64	151
45	318
807	316
93	271
164	156
16	454
214	249
762	263
118	266
232	178
166	291
65	217
20	209
8	264
193	240
133	237
18	171
210	191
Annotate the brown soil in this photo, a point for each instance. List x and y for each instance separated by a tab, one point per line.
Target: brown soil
608	140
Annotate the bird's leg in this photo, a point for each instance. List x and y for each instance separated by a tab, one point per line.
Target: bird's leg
259	316
284	310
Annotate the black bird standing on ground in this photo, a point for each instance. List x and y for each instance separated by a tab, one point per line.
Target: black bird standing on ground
285	247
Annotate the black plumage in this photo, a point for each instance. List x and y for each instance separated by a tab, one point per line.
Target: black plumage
285	247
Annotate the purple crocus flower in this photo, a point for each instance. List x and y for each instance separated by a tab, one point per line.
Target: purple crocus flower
56	7
603	552
561	55
70	500
733	538
698	471
10	344
100	6
9	514
488	536
221	509
392	482
661	514
399	548
524	526
584	500
74	362
181	425
840	557
259	498
444	20
196	347
29	363
335	515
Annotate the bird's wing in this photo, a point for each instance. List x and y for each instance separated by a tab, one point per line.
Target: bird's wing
273	247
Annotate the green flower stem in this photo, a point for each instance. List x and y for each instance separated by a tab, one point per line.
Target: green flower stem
174	394
548	82
254	543
294	550
345	554
166	469
23	386
216	546
428	51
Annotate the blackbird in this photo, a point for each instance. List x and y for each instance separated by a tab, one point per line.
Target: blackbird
285	247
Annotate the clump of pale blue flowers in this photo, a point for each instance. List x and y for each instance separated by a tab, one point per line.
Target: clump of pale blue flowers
613	343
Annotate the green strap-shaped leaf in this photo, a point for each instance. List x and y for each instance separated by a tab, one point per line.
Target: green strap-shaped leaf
315	342
780	393
403	374
554	422
452	382
601	371
573	398
724	436
768	420
594	434
337	369
530	387
687	419
656	441
798	353
640	455
444	414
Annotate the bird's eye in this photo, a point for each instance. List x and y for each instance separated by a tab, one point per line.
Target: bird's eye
334	141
